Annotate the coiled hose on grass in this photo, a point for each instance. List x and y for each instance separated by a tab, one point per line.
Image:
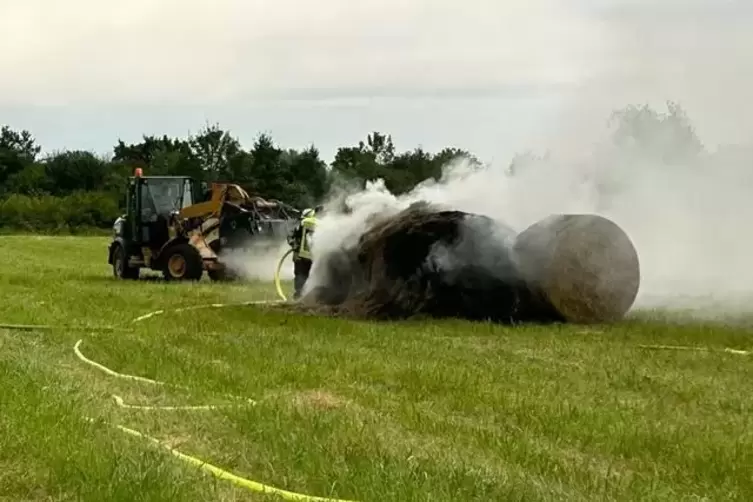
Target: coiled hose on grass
214	470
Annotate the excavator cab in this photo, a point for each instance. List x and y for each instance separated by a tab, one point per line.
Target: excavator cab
151	203
140	236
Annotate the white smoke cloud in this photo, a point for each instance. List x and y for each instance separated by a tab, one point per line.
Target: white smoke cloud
687	220
258	259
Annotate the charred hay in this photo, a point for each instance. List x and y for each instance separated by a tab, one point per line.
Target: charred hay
441	263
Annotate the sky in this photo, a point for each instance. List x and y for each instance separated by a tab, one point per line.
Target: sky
489	76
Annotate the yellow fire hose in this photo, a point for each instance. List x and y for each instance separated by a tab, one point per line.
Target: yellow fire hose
212	469
216	471
228	476
278	286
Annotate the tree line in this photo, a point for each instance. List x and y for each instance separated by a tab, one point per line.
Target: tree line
75	190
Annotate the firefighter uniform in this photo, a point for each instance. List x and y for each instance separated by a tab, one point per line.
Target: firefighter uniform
301	242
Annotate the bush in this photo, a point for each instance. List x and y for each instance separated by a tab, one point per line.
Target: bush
75	213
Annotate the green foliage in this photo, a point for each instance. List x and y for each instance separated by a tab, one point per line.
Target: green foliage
78	211
30	180
159	156
71	189
21	143
401	172
213	149
74	170
667	137
18	150
77	188
299	178
310	174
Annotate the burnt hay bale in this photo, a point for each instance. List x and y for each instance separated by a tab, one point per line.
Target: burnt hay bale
439	263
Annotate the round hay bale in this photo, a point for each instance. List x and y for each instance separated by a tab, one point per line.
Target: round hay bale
397	278
424	262
579	268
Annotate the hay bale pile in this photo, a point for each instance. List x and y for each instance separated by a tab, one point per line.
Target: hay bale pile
430	262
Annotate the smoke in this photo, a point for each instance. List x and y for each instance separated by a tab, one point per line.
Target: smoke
486	244
257	259
681	193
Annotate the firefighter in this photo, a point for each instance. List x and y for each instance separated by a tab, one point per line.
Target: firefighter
300	240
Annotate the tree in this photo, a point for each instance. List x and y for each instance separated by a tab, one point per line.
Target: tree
367	161
408	169
380	146
240	169
376	159
669	137
141	154
21	143
450	155
160	156
76	170
269	172
310	173
214	150
31	180
18	150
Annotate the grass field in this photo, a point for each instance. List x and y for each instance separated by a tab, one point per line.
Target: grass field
441	411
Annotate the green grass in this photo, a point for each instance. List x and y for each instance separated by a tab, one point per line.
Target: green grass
440	411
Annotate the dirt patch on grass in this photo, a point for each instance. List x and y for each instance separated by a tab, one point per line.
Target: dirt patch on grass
318	399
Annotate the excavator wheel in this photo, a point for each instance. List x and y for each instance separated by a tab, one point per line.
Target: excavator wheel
182	263
120	267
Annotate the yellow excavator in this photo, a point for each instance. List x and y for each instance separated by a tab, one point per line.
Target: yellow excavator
175	225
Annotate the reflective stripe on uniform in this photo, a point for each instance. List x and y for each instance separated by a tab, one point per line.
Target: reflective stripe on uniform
307	227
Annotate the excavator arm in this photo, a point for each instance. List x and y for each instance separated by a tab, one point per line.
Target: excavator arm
221	193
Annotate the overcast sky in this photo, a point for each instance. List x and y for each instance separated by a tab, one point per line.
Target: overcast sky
491	76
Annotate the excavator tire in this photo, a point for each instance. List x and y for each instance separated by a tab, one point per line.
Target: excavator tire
120	267
182	262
